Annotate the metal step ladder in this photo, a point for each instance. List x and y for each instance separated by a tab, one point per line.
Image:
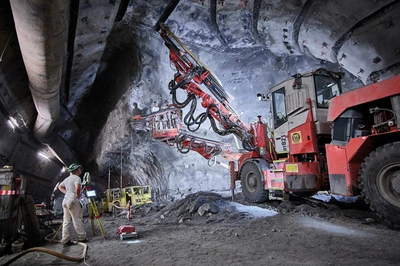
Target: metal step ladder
276	182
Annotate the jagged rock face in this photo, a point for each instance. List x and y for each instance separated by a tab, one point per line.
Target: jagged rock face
117	66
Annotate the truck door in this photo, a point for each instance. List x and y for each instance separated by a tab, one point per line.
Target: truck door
326	88
280	123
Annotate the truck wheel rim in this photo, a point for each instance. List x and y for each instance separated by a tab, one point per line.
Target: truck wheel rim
388	183
251	181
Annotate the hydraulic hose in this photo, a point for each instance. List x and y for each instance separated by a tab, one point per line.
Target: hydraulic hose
212	150
212	161
175	101
51	252
190	120
179	139
231	128
194	123
197	145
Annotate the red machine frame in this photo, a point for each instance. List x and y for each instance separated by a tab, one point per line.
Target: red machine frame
344	160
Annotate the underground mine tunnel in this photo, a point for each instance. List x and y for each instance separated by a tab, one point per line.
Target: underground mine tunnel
105	84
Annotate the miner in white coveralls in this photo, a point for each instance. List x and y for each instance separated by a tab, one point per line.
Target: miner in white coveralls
73	210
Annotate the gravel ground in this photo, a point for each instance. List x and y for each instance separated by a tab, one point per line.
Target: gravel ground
207	229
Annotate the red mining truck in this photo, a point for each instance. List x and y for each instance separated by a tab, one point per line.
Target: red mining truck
348	144
319	139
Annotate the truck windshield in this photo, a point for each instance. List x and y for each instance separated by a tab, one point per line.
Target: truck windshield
279	107
326	87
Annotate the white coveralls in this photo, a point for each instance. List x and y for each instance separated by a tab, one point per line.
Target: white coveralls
73	211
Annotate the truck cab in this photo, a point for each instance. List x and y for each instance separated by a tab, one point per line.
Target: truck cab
289	107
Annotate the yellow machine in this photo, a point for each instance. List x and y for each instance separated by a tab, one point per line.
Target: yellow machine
120	197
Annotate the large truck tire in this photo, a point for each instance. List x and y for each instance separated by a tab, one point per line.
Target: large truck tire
252	181
379	179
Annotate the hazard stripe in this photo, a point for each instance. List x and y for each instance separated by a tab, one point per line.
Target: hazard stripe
10	192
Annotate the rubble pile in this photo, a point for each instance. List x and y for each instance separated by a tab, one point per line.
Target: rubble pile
209	207
200	207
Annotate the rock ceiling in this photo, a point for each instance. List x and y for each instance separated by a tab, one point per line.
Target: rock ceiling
104	61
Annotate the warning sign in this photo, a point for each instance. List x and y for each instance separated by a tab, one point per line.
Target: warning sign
292	168
296	137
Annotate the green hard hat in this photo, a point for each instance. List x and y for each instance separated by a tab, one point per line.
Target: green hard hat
73	167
